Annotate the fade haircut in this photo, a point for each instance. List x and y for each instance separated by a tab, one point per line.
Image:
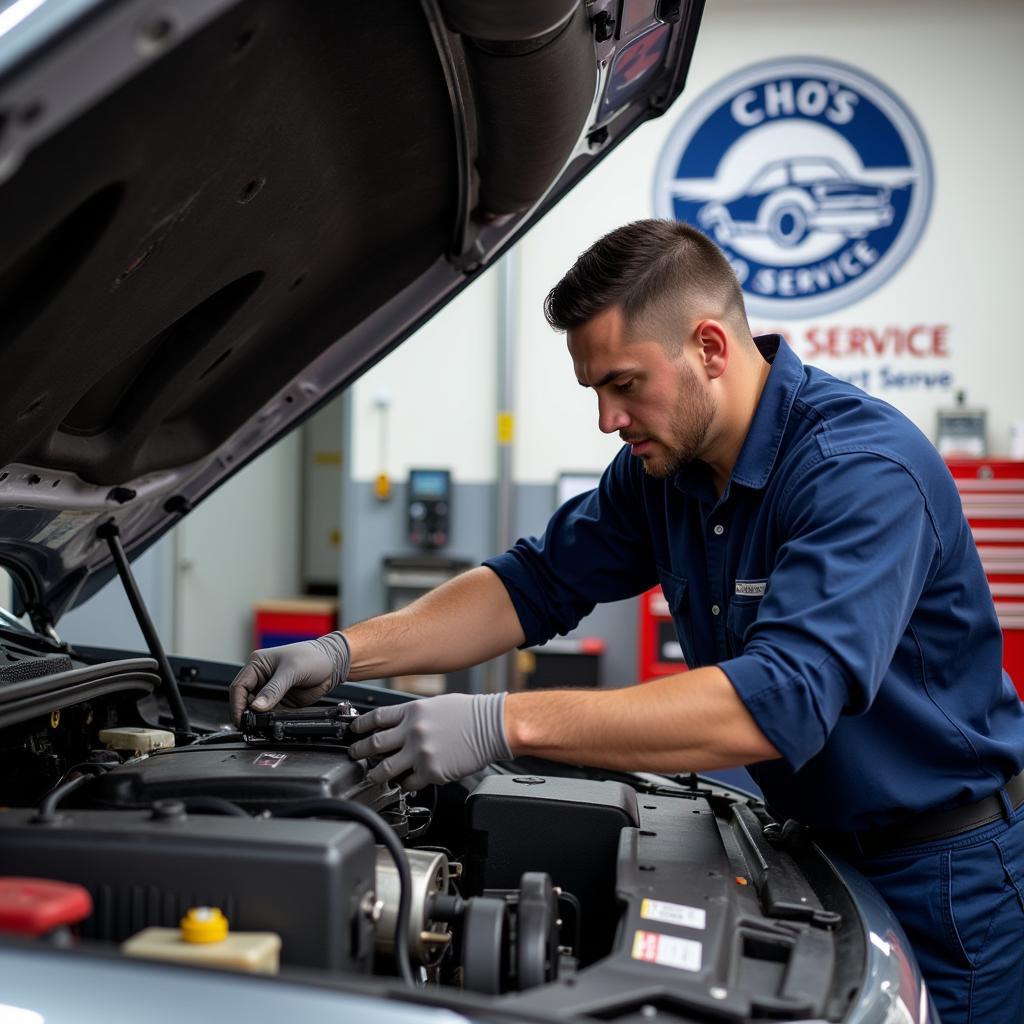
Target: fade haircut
660	273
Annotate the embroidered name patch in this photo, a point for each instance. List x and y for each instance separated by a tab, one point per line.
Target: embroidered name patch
751	588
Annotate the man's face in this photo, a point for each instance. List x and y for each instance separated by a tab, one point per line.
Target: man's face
650	396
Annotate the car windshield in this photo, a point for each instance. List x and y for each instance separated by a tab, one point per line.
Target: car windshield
809	171
772	176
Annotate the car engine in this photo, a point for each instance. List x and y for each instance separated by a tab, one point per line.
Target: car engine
554	887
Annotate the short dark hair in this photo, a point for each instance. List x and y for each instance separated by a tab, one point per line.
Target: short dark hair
654	270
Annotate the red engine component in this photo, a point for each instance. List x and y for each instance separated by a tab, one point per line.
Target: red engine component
37	906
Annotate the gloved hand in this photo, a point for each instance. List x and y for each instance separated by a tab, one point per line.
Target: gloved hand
297	674
434	740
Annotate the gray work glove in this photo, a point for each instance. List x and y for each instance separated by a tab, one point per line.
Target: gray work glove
433	740
295	674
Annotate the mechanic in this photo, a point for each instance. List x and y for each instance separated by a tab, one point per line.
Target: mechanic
813	549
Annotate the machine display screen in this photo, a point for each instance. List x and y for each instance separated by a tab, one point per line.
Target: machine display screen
428	483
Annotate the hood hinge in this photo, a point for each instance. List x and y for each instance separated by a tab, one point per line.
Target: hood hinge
42	622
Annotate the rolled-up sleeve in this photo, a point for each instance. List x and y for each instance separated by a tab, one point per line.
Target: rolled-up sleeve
859	547
596	548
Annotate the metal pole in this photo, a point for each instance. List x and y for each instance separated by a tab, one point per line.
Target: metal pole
508	321
112	535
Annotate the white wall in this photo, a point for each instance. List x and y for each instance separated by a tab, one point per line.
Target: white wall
957	67
441	394
239	546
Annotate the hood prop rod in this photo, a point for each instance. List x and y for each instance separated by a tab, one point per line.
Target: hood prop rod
112	535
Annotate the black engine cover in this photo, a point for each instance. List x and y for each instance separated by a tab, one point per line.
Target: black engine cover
304	880
256	776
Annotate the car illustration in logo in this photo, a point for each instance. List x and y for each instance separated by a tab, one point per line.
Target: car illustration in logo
813	177
788	199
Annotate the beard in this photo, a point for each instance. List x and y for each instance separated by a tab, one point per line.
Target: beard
687	431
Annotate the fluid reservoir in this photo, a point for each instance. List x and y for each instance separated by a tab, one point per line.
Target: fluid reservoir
205	940
136	739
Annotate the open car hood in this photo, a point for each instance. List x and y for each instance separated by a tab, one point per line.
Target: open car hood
217	214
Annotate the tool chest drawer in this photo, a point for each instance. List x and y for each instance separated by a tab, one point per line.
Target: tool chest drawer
992	491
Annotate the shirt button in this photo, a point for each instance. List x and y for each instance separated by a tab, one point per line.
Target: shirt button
715	609
719	530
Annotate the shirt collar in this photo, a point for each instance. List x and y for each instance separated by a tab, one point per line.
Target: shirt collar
761	447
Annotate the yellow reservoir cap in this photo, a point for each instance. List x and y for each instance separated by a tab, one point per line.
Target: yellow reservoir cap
204	924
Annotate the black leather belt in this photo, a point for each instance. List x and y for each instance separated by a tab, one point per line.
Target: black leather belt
929	827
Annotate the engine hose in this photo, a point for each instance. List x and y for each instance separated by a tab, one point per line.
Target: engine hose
48	807
214	805
385	835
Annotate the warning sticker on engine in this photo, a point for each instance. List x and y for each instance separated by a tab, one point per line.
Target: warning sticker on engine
667	950
673	913
269	760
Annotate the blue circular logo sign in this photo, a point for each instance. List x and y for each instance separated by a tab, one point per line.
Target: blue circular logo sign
812	176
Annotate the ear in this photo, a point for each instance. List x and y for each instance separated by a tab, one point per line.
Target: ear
713	346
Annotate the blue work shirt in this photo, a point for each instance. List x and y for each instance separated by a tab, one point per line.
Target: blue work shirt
836	583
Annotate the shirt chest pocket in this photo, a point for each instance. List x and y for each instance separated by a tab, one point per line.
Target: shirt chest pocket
677	597
740	617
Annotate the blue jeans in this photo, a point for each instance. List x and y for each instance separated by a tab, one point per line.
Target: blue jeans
961	903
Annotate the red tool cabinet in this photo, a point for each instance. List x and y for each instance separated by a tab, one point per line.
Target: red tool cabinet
660	653
992	491
290	619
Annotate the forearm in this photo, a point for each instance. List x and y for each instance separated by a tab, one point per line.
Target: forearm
690	722
465	621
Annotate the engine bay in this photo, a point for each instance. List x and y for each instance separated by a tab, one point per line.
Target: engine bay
560	890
